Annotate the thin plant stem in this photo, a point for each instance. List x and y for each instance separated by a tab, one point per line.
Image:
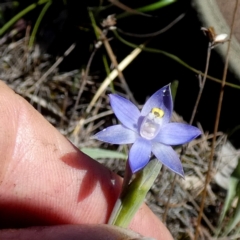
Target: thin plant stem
115	63
94	24
107	69
190	122
173	57
164	218
208	176
111	77
36	86
84	81
7	25
128	9
134	193
147	8
172	188
127	178
202	84
154	34
101	35
36	26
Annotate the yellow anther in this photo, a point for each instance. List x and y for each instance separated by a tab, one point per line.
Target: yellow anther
158	112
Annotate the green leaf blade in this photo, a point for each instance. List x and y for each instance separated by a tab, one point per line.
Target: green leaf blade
99	153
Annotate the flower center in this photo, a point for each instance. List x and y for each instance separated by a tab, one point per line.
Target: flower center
151	123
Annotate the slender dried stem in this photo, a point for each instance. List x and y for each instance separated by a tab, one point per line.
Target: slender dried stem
202	84
164	218
208	177
116	65
84	81
36	86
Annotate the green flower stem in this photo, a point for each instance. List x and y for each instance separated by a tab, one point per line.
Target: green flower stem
127	178
173	57
36	26
134	194
20	15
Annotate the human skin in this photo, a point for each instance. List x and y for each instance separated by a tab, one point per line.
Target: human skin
45	181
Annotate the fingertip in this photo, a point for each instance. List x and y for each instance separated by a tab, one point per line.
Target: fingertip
63	232
148	224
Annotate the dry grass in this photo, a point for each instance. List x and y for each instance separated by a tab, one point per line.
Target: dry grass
55	95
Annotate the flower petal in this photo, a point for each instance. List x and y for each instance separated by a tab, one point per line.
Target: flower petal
126	112
168	157
116	134
177	133
139	154
160	99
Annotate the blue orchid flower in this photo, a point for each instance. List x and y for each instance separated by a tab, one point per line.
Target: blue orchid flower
149	130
